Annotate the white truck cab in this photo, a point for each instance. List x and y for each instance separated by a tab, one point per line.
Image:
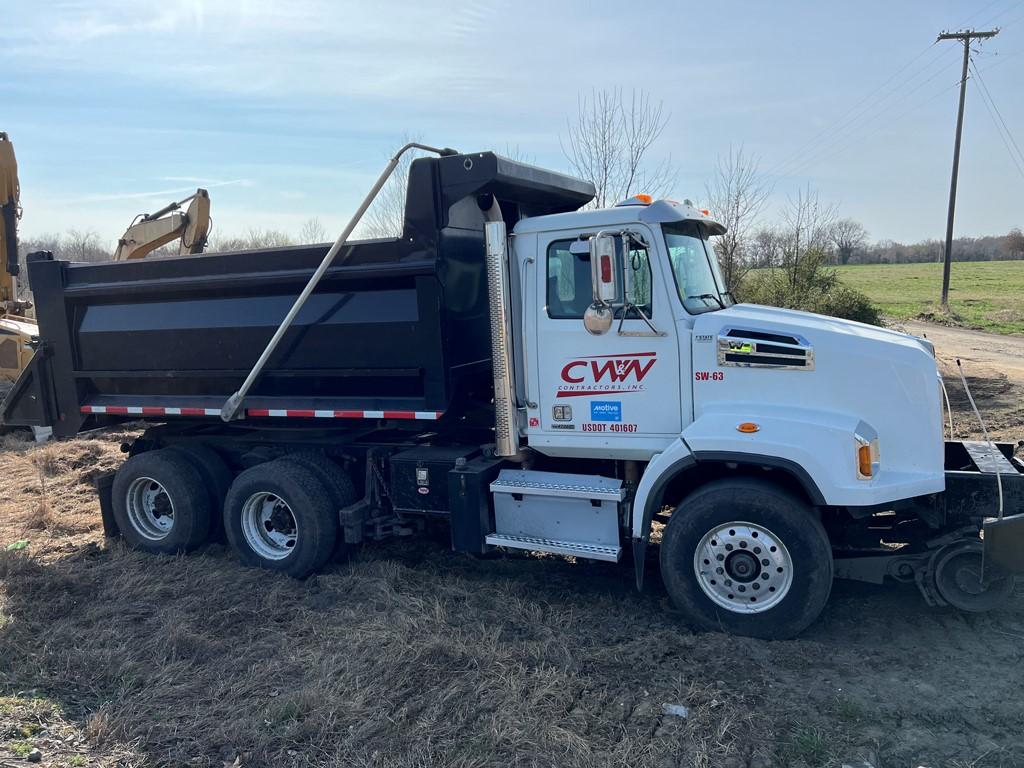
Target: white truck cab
627	348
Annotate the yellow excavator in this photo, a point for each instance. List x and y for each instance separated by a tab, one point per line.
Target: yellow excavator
149	231
17	329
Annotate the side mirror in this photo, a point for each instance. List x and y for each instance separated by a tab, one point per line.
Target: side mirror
605	282
604	275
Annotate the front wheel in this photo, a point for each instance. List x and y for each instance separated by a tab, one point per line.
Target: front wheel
747	557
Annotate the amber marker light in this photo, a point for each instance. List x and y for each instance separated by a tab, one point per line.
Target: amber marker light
748	427
864	461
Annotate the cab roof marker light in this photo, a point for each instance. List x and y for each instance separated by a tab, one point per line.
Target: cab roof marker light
638	199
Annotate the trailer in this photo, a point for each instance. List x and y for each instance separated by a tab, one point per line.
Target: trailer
537	376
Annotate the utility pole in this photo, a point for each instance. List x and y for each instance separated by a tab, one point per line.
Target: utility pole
964	37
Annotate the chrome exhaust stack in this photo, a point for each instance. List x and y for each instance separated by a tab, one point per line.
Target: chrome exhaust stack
506	418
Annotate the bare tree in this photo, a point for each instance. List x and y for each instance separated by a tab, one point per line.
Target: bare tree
610	141
1015	243
83	245
766	248
806	225
313	231
847	237
386	215
513	152
253	239
736	195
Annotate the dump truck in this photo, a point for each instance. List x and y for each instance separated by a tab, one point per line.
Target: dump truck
538	377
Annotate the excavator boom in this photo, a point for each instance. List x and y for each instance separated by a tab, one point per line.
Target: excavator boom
152	230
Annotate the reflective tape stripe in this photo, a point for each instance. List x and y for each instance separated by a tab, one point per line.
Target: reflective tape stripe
292	413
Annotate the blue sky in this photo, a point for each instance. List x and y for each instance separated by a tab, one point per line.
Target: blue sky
287	110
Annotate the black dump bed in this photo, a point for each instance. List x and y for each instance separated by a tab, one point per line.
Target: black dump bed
397	328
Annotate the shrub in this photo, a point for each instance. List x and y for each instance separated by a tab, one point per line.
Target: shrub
823	293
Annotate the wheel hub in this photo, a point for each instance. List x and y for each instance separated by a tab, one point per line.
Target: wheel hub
150	509
269	526
743	567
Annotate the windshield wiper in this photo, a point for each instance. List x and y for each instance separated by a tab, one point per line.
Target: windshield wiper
711	296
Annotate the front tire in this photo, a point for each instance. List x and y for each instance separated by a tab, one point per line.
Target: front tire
747	557
279	516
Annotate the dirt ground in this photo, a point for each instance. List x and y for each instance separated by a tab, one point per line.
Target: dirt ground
414	656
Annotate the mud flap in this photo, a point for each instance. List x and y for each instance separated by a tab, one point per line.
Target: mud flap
1004	543
105	490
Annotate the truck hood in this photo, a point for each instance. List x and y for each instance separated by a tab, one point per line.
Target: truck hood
754	316
798	367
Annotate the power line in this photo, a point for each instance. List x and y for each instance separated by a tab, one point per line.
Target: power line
1003	12
863	117
838	121
1000	123
978	13
999	130
841	142
879	127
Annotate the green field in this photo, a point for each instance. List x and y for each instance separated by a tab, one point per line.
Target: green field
988	295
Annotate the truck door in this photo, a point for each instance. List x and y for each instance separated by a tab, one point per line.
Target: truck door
618	394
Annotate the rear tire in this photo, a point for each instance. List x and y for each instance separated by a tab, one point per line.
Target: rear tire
279	516
160	503
339	486
747	557
216	477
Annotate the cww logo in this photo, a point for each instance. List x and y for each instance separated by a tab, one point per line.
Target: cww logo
605	374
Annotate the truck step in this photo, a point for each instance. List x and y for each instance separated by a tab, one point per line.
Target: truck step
574	548
562	513
558	485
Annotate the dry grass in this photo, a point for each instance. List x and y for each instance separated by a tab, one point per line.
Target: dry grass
415	656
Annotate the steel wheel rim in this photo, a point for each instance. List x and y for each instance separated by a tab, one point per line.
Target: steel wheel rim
150	508
743	567
269	526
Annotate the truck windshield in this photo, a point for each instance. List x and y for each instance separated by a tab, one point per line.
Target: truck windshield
695	267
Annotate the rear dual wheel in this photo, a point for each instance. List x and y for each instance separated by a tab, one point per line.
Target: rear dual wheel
161	504
280	516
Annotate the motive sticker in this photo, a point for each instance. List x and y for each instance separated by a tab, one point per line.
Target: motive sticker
606	410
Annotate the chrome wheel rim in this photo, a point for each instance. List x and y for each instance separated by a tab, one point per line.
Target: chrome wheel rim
269	526
150	508
743	567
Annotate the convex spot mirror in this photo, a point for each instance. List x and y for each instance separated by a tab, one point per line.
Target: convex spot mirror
598	317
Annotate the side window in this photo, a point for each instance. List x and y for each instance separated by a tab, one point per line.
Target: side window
569	292
638	266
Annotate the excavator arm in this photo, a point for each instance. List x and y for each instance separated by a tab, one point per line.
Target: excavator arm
16	330
10	193
152	230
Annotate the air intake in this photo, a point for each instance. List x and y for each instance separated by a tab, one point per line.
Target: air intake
760	349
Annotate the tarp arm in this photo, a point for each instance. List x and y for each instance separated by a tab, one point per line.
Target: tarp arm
234	403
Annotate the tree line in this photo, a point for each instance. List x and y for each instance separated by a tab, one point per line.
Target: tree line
785	258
